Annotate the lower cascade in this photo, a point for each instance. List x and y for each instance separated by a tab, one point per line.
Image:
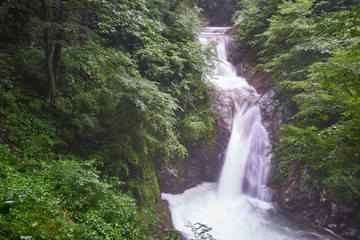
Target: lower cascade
239	206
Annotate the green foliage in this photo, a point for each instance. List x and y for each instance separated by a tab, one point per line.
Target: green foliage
33	135
118	107
128	77
290	36
193	127
200	231
329	158
66	199
312	47
340	72
145	187
287	29
252	22
13	16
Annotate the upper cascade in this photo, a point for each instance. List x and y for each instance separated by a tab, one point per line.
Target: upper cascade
246	167
219	37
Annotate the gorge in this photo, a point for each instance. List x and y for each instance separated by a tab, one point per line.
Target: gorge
240	205
104	105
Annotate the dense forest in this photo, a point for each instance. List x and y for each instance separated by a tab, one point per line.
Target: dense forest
97	96
312	48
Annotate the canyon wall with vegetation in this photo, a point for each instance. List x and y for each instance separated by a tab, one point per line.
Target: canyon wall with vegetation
95	98
105	103
304	55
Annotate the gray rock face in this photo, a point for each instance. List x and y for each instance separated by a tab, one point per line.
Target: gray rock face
272	118
202	163
316	206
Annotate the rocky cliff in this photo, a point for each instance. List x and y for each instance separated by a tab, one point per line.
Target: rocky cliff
292	194
203	162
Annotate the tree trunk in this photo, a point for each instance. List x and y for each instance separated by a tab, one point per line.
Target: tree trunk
59	37
49	54
53	52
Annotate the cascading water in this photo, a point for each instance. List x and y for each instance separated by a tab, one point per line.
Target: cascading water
238	207
246	166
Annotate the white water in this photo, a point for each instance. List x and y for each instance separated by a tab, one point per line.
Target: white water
238	207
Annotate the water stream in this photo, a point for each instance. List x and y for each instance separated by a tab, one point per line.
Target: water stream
239	206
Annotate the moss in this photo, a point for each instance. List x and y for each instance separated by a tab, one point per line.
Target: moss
162	209
146	187
180	180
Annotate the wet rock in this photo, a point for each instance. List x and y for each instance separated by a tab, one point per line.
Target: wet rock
346	212
164	213
323	198
315	206
334	210
332	226
170	182
351	233
272	118
202	163
264	85
222	14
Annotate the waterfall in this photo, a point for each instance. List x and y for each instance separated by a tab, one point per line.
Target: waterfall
246	167
238	207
